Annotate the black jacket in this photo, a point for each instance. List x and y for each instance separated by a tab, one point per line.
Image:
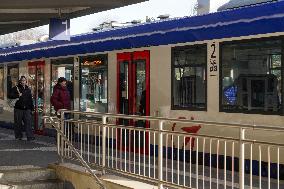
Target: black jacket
25	102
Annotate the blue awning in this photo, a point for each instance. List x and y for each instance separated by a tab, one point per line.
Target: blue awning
260	19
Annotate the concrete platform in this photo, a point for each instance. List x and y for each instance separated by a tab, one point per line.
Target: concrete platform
24	154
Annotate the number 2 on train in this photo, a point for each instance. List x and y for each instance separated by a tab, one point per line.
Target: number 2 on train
213	64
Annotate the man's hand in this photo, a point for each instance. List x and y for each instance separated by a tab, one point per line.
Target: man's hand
20	94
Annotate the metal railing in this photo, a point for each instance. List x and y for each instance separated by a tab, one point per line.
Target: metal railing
233	156
61	135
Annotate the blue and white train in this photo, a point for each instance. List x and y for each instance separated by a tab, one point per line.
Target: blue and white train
225	66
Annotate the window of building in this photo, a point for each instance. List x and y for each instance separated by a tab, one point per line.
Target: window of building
62	67
189	77
12	77
93	84
2	82
251	76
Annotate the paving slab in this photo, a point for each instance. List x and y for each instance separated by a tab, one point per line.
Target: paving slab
23	153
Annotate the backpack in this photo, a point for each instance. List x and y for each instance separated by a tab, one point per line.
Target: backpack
12	102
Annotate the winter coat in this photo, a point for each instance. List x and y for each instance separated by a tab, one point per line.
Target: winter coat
60	98
25	101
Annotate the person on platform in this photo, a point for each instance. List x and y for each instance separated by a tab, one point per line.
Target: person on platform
23	109
60	98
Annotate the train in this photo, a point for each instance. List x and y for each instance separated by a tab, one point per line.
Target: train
224	67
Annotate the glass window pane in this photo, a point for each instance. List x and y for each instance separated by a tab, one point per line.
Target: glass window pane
140	99
189	77
2	83
93	83
251	76
124	87
12	77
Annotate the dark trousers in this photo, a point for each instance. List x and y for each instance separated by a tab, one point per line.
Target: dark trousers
21	116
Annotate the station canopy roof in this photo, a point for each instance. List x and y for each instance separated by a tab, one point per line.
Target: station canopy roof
18	15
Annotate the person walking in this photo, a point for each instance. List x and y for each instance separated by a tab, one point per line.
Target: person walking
60	98
23	109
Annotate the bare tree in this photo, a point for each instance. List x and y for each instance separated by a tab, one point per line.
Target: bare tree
16	37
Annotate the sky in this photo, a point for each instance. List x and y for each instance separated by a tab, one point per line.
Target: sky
151	8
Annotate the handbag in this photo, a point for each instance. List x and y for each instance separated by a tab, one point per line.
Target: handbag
12	102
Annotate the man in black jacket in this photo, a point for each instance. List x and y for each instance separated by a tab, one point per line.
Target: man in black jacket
23	109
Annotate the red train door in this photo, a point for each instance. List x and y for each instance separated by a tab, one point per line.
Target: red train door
133	97
36	82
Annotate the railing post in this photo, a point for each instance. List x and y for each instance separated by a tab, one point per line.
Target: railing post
62	139
242	159
58	139
104	120
160	155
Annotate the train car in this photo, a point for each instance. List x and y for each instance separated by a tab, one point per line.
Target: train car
225	67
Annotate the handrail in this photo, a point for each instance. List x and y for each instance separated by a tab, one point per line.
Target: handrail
151	118
117	158
82	161
177	132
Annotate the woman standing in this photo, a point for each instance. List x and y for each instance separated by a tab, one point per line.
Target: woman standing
60	98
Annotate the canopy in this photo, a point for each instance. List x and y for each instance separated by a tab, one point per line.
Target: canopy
18	15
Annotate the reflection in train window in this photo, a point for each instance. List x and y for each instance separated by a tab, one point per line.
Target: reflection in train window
251	76
2	82
189	77
62	68
93	83
12	77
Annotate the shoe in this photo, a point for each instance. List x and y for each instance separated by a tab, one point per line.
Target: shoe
30	138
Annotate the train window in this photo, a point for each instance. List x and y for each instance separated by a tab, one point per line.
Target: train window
2	82
93	89
189	77
12	77
251	76
62	67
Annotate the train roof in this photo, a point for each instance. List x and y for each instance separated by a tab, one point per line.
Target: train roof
258	19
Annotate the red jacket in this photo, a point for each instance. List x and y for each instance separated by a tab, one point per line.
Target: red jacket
60	98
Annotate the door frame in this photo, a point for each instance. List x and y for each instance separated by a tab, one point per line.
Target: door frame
132	57
37	64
